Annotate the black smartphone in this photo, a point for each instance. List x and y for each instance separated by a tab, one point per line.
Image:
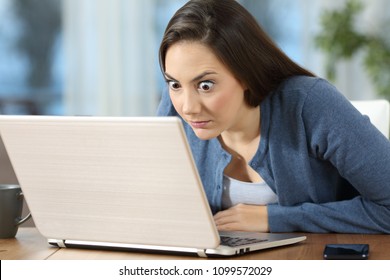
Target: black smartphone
346	252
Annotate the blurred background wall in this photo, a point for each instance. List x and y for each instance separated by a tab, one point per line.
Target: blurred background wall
99	57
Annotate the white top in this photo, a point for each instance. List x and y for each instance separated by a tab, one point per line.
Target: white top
235	192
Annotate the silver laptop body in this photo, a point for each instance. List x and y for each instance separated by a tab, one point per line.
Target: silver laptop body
120	183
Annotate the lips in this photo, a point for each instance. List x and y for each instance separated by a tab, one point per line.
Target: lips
199	124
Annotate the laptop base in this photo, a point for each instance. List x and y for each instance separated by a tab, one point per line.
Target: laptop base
268	240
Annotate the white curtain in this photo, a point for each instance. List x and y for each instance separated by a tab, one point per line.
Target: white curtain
110	57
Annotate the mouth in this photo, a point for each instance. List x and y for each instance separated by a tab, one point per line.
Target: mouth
199	124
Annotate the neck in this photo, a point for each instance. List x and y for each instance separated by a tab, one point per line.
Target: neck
246	129
244	136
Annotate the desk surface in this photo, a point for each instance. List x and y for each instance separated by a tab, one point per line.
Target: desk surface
29	244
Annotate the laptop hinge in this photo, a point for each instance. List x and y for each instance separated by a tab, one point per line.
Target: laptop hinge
201	253
57	242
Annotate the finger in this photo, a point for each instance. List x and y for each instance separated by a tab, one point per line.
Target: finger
229	227
224	217
224	213
227	222
234	210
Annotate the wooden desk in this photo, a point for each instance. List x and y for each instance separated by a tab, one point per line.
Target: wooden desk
29	244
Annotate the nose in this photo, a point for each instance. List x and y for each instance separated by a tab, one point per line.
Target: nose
191	104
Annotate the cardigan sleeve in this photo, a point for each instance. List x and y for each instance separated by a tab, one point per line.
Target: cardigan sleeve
339	134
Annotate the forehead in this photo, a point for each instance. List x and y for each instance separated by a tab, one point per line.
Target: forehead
190	59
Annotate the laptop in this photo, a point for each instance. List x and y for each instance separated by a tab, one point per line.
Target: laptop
119	183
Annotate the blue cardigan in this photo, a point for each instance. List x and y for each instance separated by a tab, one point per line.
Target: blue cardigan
329	166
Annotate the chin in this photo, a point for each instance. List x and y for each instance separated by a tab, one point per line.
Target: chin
203	134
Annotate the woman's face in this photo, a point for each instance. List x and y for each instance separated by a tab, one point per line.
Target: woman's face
203	91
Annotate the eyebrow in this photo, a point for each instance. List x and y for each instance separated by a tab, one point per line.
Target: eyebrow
197	78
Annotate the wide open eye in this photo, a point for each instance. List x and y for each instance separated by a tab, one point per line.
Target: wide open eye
206	85
173	85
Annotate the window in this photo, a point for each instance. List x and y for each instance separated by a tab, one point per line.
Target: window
100	57
31	57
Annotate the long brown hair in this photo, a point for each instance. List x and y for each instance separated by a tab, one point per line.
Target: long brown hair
236	38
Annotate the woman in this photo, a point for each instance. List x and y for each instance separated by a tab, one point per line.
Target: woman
277	149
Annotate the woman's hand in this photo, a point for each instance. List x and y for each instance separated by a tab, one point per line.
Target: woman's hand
242	217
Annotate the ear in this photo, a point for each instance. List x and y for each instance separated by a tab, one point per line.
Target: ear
243	85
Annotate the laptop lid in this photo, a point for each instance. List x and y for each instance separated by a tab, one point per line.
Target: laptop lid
117	182
123	180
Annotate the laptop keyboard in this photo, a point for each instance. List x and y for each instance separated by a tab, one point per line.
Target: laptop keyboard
237	241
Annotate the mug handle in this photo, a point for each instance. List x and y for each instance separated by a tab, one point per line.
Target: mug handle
21	221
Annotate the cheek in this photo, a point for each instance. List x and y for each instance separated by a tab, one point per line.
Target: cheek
229	101
219	104
177	103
